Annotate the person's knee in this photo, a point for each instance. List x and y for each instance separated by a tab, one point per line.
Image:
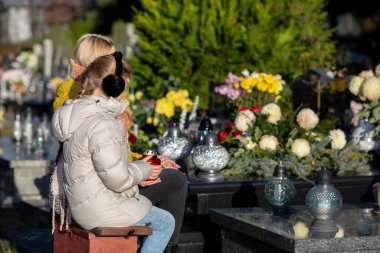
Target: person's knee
181	179
169	219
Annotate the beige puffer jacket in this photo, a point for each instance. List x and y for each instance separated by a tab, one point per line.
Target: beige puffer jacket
96	169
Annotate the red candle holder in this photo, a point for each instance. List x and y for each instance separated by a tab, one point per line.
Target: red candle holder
154	161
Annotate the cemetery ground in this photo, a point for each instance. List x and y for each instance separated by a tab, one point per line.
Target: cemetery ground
24	228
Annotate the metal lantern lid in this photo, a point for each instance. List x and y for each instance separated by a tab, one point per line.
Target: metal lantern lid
174	132
210	140
206	124
148	152
280	170
324	177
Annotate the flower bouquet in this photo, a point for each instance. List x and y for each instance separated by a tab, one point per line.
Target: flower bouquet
299	140
366	88
175	106
142	108
251	88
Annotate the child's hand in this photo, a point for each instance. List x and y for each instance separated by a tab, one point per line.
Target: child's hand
168	163
156	171
150	182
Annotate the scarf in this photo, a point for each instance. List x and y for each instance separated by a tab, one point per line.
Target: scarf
58	197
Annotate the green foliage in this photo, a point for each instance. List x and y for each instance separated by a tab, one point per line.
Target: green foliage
141	143
249	163
372	112
118	33
80	27
7	247
62	37
199	41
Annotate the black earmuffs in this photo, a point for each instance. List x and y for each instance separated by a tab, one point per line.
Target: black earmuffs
114	85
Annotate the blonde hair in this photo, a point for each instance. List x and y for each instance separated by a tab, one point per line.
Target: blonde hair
91	46
99	69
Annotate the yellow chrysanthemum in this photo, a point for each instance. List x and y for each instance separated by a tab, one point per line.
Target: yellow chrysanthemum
1	115
131	97
139	95
165	107
126	99
171	96
149	120
156	121
236	85
274	87
186	104
246	83
160	105
262	86
183	93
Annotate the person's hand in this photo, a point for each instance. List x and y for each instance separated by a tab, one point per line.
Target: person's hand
156	171
150	182
168	163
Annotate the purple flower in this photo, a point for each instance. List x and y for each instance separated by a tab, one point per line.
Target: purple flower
233	93
222	89
231	79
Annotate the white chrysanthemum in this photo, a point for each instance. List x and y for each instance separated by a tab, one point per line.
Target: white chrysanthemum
307	119
371	88
377	70
244	120
273	111
301	147
245	73
250	144
355	85
338	139
366	74
268	142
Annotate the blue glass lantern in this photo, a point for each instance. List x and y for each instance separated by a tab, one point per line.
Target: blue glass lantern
324	202
280	190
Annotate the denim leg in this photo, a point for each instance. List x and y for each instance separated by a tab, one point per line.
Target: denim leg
169	195
162	224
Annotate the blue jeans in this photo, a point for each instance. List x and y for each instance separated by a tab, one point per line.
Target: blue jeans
162	224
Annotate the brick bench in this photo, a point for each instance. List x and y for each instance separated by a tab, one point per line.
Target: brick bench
105	240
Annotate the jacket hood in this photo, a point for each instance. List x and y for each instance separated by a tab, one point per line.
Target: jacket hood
68	118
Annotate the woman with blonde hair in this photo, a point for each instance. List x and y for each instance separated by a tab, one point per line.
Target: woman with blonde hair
88	48
97	170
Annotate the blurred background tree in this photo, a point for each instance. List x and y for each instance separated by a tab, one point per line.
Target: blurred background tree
198	41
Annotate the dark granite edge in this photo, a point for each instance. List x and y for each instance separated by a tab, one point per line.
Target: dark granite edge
239	226
259	184
341	244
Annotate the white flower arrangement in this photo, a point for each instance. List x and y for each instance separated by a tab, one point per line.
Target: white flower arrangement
307	119
303	147
244	120
355	85
371	88
268	142
366	86
338	139
273	111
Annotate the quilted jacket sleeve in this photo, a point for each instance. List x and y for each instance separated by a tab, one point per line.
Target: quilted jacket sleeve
110	158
